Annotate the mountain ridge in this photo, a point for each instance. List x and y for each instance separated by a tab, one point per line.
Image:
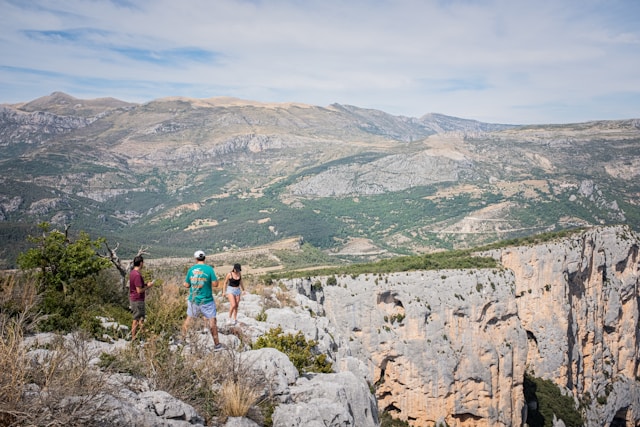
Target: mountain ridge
252	173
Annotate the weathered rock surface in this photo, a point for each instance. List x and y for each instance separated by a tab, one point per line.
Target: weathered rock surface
578	301
439	345
334	399
453	346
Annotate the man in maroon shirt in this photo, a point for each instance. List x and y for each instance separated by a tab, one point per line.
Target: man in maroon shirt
137	289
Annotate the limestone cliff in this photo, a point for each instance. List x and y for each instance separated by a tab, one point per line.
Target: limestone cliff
577	300
453	346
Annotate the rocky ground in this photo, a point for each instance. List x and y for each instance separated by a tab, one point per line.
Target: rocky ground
341	398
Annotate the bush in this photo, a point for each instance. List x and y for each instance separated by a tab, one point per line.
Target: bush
69	278
297	348
551	402
387	420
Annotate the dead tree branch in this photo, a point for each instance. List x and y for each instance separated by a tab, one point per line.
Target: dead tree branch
123	267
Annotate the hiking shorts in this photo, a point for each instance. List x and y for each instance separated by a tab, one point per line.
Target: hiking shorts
207	310
234	290
138	310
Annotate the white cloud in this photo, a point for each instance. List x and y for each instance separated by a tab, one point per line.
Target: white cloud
508	61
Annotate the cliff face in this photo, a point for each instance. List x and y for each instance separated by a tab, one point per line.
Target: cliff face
453	346
578	301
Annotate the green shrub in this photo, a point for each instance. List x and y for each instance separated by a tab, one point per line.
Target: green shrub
70	278
551	402
297	348
262	316
458	259
387	420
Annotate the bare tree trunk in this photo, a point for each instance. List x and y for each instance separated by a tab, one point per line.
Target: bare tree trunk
123	268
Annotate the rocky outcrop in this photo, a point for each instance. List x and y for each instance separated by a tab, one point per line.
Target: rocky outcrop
35	127
390	173
578	301
315	399
453	345
440	346
339	399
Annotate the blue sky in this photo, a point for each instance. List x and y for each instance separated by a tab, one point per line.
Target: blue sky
500	61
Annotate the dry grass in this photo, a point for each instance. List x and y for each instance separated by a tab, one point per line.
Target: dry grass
47	386
273	296
18	301
242	389
56	384
166	308
237	398
216	385
13	375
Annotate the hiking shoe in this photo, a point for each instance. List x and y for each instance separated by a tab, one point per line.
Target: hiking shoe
218	347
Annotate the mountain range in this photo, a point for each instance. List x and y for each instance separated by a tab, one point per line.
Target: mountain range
179	174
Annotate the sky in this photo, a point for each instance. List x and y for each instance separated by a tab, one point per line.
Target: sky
496	61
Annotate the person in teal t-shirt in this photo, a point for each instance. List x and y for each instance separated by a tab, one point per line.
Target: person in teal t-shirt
201	279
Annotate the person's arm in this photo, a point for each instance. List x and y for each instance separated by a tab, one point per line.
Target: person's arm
226	283
215	283
141	288
186	283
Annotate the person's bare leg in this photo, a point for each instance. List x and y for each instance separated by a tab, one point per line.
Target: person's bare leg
213	327
233	306
236	304
185	327
134	329
140	326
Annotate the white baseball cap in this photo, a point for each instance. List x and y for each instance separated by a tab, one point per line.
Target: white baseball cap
199	255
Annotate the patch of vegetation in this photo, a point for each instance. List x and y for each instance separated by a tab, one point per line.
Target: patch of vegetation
387	420
262	316
308	256
458	259
70	280
550	402
301	352
535	239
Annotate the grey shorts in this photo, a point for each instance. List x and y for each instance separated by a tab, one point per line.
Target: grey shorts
138	310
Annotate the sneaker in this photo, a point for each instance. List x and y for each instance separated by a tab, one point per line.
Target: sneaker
218	347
